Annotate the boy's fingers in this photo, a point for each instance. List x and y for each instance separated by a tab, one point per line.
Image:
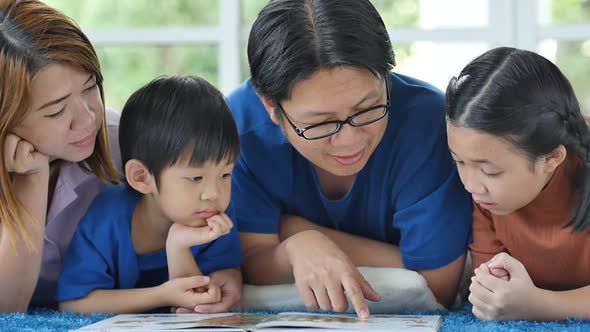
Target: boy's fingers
224	305
182	311
197	281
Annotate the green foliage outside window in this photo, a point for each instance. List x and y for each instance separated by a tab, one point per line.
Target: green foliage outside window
573	58
127	67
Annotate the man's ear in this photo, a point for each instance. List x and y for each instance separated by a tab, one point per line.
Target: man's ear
270	106
139	177
554	158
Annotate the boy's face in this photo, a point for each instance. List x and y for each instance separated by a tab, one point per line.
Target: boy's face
189	195
498	177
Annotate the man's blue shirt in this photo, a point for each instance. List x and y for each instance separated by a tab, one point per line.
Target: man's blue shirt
408	194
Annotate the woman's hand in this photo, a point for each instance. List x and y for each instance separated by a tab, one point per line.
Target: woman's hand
20	157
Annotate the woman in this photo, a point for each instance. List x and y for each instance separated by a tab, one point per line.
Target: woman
54	136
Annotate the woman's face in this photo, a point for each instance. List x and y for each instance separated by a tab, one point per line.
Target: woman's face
329	95
66	113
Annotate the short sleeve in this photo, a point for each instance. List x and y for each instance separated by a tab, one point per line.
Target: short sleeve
252	208
433	212
85	267
223	253
485	244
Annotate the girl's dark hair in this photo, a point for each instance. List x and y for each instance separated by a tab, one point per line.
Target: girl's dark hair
525	99
293	39
168	116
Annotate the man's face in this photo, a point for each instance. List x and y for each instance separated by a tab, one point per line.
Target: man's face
330	95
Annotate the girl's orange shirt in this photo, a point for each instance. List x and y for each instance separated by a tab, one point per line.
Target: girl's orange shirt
555	258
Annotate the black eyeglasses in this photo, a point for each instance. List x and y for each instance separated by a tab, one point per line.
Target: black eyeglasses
329	128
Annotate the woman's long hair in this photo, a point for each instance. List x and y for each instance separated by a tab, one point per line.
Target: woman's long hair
33	35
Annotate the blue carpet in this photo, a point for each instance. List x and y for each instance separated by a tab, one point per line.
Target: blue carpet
456	320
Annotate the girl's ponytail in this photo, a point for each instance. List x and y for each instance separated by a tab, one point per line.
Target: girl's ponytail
579	144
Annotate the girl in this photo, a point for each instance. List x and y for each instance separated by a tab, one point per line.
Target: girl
522	146
54	140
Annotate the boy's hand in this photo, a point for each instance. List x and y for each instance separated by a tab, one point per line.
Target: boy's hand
182	292
229	282
182	236
20	157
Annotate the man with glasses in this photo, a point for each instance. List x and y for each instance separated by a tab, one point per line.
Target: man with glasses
343	162
329	128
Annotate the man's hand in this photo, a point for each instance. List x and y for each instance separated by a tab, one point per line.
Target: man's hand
324	274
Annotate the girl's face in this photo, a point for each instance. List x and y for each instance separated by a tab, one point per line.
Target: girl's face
499	177
189	195
66	113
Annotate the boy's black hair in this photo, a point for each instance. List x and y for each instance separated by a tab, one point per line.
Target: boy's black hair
525	99
293	39
177	117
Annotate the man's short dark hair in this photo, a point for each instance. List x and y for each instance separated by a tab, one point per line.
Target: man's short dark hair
293	39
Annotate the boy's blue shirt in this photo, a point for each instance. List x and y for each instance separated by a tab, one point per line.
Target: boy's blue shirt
101	254
408	194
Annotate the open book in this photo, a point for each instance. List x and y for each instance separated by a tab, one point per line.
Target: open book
226	322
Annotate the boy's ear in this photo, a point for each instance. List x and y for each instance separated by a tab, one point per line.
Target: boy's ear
554	158
138	176
269	105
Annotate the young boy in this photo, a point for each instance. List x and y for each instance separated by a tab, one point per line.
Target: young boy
152	241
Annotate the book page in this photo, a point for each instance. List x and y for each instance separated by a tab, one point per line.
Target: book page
409	323
173	322
264	323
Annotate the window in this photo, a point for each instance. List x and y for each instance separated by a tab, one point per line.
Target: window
138	40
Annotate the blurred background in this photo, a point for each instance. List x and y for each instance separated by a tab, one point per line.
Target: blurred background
138	40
